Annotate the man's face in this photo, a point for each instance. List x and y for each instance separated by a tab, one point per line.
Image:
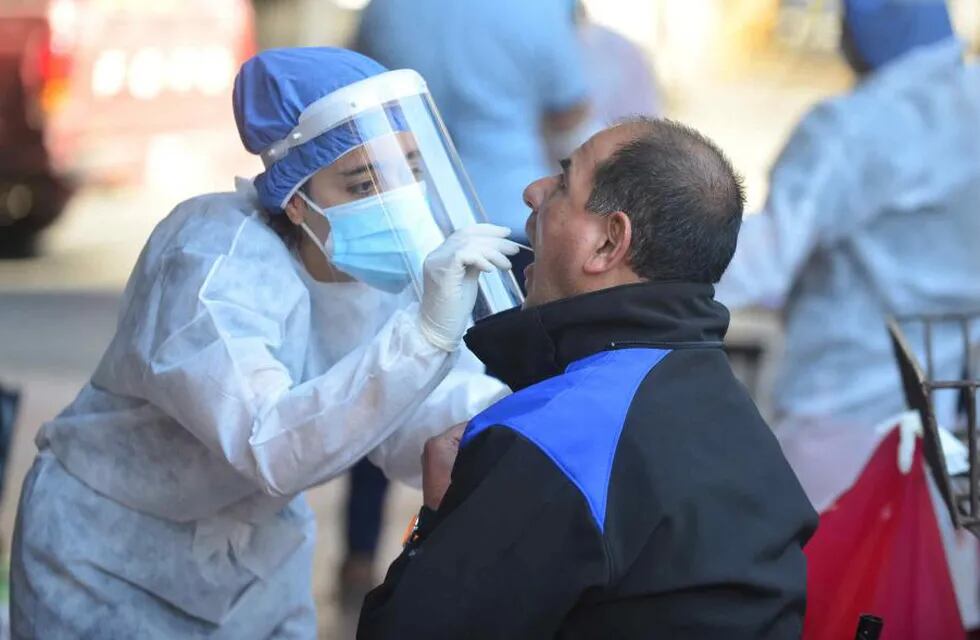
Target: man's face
562	231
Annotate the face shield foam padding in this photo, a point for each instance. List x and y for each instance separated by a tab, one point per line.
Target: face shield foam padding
283	177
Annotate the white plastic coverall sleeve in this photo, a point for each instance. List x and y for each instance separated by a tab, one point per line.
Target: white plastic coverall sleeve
464	393
212	367
818	192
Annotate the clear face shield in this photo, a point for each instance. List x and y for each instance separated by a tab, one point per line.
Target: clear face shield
398	189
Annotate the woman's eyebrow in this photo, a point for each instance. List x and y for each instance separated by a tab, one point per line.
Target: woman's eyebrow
364	168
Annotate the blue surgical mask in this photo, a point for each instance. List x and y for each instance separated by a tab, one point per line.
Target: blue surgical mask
380	240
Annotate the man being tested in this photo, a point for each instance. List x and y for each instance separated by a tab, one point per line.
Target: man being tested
629	487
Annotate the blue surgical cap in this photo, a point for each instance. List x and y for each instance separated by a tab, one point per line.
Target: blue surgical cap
886	29
271	91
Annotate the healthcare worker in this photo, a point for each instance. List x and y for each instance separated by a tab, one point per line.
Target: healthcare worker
267	340
872	211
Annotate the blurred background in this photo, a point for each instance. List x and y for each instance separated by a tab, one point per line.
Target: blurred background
113	111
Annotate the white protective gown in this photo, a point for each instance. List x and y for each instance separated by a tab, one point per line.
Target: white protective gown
165	502
873	211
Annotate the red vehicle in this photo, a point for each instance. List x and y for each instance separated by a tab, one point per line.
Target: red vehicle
90	88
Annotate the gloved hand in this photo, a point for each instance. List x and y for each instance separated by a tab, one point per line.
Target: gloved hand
449	280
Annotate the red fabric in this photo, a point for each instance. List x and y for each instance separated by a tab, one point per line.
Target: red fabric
878	550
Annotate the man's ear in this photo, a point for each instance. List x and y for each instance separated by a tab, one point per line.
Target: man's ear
296	209
612	248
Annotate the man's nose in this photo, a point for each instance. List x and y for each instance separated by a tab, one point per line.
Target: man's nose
534	193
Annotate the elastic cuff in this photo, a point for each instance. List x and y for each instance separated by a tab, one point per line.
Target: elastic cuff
435	338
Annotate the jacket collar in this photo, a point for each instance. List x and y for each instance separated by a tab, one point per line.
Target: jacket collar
525	346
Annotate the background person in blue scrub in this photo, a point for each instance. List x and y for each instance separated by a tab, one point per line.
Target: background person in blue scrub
504	74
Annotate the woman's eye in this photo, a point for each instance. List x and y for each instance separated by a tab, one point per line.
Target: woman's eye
362	189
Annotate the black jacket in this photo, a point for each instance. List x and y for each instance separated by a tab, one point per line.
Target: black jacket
627	489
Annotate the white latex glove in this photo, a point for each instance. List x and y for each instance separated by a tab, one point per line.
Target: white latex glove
450	277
